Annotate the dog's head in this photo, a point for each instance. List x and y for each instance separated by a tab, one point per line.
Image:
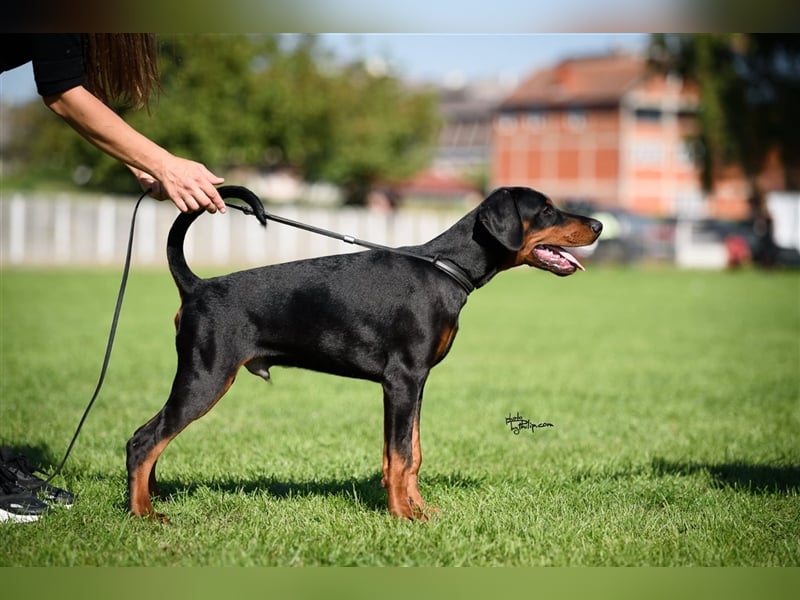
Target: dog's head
534	231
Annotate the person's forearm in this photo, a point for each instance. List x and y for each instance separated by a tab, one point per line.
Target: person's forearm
189	184
103	128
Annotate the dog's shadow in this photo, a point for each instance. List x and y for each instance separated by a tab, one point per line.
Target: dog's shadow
366	492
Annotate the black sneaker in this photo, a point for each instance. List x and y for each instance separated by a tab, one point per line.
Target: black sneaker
16	504
23	473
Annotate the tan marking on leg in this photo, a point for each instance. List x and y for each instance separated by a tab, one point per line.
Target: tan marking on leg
140	504
420	508
416	463
152	484
397	486
385	464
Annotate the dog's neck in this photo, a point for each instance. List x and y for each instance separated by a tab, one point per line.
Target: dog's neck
471	247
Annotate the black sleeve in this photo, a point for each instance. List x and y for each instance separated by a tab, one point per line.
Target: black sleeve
57	62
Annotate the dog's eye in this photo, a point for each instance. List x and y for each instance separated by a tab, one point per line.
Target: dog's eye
548	216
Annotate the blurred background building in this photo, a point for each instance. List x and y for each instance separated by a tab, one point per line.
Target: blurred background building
605	129
609	135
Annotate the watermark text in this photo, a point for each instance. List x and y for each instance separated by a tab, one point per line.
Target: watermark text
517	423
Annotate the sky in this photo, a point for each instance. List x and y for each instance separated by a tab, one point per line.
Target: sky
438	57
443	58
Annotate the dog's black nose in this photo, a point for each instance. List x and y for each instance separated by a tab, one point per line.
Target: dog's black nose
596	226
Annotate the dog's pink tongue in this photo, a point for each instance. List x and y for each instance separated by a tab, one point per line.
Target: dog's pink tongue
570	258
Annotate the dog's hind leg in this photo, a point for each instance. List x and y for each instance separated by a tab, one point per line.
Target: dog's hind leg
194	393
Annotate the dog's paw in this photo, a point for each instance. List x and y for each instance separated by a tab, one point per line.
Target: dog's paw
424	513
160	517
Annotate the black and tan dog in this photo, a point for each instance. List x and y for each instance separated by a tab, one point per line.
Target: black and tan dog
373	315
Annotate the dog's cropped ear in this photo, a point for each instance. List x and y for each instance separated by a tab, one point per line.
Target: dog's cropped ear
499	215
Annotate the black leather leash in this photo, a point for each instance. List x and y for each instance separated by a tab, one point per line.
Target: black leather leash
446	266
112	334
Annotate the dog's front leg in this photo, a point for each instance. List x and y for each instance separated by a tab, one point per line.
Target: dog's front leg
402	456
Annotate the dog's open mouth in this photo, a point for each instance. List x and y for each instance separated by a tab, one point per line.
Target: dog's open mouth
556	260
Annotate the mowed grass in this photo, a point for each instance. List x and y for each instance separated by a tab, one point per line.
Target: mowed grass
674	398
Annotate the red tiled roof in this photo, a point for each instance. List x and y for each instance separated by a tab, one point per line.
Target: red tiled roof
434	182
592	80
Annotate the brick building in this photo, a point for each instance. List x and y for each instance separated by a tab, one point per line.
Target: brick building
459	169
606	129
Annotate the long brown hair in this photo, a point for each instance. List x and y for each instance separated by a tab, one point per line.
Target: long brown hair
122	67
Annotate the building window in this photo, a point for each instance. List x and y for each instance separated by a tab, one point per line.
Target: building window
648	153
576	118
507	121
536	119
651	115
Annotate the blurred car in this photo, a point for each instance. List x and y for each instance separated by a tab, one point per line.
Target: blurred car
743	244
627	237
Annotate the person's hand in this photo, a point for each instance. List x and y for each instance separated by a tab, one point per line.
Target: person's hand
189	184
149	184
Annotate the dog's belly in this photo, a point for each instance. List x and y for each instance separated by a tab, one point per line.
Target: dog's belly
358	364
361	350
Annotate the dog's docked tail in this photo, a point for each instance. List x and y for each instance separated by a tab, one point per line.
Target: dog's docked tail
184	278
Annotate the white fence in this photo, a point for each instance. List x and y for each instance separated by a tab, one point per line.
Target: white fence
36	230
65	230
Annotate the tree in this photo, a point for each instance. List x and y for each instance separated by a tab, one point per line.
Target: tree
749	93
380	132
263	101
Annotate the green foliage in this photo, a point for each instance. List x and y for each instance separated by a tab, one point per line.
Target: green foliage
673	397
375	136
750	90
41	145
261	101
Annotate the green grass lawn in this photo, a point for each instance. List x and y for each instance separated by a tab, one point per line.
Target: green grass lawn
674	398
